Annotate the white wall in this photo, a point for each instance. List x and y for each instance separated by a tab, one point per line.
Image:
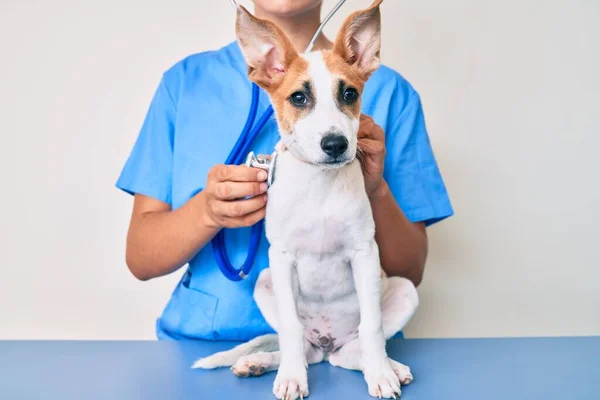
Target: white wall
511	97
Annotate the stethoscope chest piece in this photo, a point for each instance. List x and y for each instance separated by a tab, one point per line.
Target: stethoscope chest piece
266	163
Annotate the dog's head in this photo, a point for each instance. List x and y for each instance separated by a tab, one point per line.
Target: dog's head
316	96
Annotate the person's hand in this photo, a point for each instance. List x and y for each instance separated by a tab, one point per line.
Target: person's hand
234	196
371	142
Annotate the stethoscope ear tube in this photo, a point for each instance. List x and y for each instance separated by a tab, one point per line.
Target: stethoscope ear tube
319	29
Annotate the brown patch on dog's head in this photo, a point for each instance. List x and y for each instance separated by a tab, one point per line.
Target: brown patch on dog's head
294	97
274	65
354	57
349	81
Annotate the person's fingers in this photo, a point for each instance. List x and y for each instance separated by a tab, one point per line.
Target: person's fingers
240	208
371	132
252	218
246	220
368	128
364	128
377	133
238	190
370	146
237	173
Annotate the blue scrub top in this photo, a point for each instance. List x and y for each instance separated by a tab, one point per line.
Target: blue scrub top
193	121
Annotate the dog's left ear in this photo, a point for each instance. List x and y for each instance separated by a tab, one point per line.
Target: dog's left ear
359	39
266	48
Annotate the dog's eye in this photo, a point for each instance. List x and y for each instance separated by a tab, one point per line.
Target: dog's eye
298	99
350	95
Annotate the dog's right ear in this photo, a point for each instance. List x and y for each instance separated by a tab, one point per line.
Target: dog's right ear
267	50
359	40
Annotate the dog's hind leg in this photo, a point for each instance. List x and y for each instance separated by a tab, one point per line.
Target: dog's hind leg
259	363
399	303
265	298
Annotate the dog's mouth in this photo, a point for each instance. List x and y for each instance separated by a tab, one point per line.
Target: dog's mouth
336	162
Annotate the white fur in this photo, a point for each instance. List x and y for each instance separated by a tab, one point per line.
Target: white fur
326	273
325	293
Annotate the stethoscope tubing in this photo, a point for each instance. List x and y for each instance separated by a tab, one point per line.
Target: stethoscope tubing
236	157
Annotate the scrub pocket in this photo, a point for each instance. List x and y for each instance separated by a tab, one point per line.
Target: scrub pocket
190	312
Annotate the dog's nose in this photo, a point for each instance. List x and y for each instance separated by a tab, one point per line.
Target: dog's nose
334	145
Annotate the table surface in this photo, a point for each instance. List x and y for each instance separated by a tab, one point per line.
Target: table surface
448	369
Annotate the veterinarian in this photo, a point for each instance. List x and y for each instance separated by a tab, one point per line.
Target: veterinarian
183	195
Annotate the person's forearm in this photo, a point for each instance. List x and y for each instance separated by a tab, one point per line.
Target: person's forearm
159	243
402	244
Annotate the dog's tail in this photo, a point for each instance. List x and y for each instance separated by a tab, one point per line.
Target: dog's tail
227	358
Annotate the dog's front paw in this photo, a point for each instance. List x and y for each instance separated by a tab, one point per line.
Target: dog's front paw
291	384
382	380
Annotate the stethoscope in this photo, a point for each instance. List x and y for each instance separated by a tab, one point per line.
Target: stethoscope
236	157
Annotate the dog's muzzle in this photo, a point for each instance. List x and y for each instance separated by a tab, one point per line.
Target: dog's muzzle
266	163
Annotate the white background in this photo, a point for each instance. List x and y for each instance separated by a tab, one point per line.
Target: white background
511	94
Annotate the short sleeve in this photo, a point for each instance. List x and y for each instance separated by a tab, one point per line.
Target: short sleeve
411	170
148	170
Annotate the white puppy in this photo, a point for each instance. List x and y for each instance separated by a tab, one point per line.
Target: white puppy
325	293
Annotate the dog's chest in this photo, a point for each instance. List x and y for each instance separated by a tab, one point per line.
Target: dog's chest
315	211
317	232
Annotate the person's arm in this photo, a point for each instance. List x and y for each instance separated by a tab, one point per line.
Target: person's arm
402	244
160	240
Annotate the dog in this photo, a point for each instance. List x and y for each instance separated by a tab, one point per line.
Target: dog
325	293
